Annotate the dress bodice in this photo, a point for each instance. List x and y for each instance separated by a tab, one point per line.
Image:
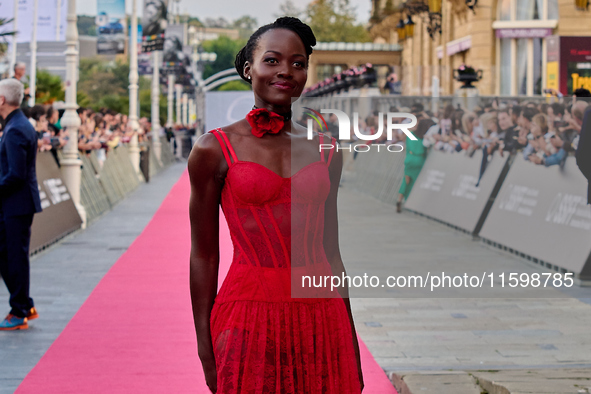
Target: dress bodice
276	225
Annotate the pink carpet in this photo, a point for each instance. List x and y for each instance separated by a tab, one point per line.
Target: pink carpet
134	333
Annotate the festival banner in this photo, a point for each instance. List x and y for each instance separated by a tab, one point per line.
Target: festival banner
110	22
51	19
154	25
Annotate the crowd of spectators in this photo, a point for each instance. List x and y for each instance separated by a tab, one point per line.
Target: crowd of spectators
544	133
99	131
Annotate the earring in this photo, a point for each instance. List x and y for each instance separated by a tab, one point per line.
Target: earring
249	77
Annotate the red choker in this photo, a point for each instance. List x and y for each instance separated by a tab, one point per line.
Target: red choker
263	121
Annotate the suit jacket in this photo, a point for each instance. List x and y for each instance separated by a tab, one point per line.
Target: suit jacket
583	154
19	191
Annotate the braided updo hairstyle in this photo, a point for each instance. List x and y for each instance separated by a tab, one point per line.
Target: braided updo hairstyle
294	24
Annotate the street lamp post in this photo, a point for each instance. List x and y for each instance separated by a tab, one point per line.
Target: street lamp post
169	120
134	150
70	164
179	91
33	47
14	37
156	105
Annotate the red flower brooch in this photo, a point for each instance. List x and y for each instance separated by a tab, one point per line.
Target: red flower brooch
264	121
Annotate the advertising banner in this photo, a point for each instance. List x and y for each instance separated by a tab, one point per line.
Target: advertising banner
51	19
59	216
154	25
574	63
446	188
110	26
174	58
543	212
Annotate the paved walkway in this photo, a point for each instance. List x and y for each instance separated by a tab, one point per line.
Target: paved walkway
63	276
431	341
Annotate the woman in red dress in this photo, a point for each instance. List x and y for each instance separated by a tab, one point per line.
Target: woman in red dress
253	336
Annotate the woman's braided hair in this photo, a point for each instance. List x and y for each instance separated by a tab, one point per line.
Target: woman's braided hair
294	24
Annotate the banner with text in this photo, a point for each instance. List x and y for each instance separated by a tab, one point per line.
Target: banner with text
446	187
543	213
59	216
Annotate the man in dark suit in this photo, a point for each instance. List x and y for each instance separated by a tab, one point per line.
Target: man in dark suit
584	150
19	201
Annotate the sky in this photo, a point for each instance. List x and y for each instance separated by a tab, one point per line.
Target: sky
262	10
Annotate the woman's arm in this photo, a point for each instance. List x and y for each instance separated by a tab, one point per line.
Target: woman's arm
331	243
206	186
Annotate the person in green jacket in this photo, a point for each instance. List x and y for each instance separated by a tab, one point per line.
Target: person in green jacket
413	163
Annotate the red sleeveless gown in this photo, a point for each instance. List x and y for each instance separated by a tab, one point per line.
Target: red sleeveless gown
264	340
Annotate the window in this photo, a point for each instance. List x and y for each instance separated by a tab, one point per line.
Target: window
516	74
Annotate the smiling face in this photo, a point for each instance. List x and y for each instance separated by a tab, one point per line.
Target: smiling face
279	69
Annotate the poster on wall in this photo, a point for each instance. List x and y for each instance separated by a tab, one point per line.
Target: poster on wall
154	25
110	22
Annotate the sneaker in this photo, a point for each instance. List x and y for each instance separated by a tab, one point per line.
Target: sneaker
32	314
13	322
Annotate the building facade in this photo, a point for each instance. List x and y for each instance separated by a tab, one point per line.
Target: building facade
522	46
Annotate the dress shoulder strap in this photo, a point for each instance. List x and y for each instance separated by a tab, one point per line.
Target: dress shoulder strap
226	146
332	142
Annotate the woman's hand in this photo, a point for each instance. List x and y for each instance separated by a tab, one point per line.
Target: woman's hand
211	375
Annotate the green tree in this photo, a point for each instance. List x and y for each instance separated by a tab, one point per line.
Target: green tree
245	25
289	9
49	88
226	50
86	25
145	98
334	21
233	86
4	34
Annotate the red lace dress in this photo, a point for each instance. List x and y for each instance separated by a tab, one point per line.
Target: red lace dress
264	340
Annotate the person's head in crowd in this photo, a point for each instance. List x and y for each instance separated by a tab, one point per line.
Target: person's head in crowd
422	127
417	109
581	92
539	125
81	111
578	111
456	120
52	115
488	108
37	111
26	112
394	109
20	69
42	123
543	108
469	121
99	122
515	113
505	120
555	112
489	123
448	111
11	96
527	114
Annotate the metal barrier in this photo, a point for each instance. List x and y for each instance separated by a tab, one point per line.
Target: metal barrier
378	174
92	195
